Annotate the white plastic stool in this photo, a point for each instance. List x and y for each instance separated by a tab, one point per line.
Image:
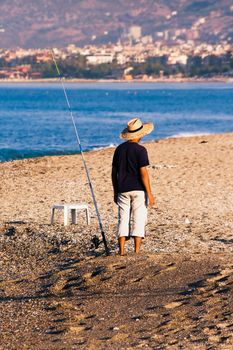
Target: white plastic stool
72	208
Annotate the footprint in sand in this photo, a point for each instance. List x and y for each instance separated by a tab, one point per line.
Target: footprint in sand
98	270
55	331
76	329
138	279
173	305
58	286
106	278
90	317
60	320
169	267
121	267
116	266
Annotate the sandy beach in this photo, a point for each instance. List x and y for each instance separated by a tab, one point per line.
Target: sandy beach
57	291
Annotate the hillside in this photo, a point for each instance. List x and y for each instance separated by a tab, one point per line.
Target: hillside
46	23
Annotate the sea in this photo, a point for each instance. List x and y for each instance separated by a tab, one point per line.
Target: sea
35	118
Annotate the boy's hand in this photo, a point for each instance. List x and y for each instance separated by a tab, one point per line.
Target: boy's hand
151	200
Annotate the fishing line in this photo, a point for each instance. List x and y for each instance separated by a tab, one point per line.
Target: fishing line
82	154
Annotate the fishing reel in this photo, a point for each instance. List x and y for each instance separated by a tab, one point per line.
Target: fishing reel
96	241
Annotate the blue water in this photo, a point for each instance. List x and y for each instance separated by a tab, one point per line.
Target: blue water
35	120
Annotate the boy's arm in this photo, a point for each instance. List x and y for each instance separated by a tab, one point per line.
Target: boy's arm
146	182
114	183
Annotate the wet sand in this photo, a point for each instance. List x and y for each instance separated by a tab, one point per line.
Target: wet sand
57	291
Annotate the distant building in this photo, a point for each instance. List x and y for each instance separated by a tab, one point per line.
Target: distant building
135	33
175	58
121	58
100	58
147	39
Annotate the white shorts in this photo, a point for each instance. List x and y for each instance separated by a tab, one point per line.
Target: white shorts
132	213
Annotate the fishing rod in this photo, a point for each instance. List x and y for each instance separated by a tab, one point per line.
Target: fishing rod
83	158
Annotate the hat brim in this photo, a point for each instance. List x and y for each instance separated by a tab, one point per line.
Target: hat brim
147	128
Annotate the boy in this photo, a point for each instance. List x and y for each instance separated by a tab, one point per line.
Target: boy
131	183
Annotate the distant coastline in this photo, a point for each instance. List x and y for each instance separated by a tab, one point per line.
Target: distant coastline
155	80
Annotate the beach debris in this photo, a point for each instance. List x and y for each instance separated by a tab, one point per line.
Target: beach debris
16	222
187	221
163	166
136	318
10	231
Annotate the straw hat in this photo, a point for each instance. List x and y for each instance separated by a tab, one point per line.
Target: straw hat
136	129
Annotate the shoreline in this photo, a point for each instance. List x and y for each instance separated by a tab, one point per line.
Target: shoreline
97	149
117	81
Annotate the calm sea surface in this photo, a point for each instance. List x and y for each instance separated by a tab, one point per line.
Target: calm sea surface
35	120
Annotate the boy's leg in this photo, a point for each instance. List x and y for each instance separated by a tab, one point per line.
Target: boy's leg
139	218
137	244
123	202
121	241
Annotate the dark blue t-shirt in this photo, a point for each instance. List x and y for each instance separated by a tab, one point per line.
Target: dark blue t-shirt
128	158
